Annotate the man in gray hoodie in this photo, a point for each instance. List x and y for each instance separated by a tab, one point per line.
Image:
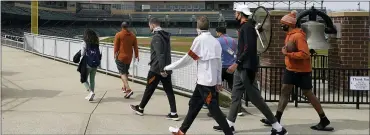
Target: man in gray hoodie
160	50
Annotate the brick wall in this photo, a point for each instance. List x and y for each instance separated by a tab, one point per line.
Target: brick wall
351	50
270	78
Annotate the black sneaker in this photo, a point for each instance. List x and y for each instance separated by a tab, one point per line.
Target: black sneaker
137	110
282	132
173	117
218	128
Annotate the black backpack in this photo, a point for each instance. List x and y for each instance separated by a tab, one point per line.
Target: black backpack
93	56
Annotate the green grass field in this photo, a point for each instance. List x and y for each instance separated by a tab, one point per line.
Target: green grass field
182	44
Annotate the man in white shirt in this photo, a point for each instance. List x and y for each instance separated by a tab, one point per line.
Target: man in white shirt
206	51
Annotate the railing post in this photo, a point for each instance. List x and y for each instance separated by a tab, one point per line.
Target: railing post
55	48
24	42
69	51
358	99
43	47
33	43
106	68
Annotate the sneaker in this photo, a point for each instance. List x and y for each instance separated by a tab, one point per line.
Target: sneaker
129	93
205	106
123	90
173	117
137	110
91	96
175	131
282	132
218	128
241	114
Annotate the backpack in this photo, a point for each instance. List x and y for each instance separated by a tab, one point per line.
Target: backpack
93	56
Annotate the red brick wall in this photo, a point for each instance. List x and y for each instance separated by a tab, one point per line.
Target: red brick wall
272	77
351	50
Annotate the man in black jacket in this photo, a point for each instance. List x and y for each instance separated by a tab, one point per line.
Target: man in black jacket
160	50
245	69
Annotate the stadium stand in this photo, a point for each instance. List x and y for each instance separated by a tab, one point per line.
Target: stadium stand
178	18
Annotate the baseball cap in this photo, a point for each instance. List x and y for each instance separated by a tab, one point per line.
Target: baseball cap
243	8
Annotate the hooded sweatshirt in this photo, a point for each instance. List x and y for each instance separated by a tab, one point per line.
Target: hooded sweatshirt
160	50
124	42
299	61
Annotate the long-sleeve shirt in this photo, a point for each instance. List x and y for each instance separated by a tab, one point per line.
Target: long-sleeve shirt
83	50
206	51
299	61
247	46
124	42
228	45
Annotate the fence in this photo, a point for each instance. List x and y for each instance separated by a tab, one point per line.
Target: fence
330	85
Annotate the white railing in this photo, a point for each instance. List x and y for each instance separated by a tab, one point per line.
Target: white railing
64	49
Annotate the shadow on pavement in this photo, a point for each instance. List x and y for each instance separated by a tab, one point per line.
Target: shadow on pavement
7	73
305	128
16	93
134	98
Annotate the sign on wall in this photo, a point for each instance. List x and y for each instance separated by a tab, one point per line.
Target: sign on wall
359	83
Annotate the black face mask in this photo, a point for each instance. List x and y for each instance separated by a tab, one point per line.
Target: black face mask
237	20
285	27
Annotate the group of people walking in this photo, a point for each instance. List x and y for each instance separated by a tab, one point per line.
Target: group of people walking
217	59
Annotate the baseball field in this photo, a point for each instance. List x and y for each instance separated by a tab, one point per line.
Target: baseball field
181	44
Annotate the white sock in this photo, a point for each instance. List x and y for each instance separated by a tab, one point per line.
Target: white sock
91	92
230	123
173	113
277	126
141	108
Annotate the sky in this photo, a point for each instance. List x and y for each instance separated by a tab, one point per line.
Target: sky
332	5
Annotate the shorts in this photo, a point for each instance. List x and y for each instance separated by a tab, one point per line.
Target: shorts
302	80
122	67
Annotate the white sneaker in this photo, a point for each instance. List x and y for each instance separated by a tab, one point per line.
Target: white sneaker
241	114
90	97
173	129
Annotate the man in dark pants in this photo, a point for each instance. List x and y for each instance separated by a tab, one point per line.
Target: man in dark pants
228	45
245	69
298	72
206	51
160	57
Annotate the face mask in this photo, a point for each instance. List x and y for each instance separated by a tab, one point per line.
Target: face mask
285	27
237	19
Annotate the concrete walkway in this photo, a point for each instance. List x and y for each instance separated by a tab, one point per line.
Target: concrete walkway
42	96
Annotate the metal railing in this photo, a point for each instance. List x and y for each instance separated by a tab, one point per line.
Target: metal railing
65	48
331	85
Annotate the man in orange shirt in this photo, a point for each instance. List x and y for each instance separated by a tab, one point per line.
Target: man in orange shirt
298	71
124	42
